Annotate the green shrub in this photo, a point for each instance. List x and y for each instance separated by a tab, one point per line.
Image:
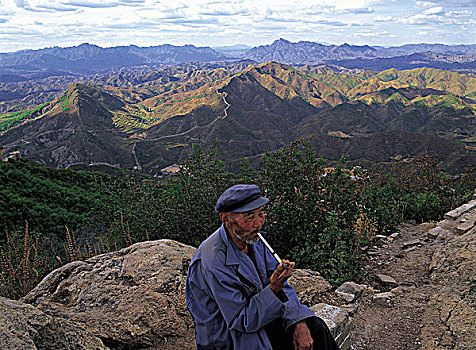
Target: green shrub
313	211
319	217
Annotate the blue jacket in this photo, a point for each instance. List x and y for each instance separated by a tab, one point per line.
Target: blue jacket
230	301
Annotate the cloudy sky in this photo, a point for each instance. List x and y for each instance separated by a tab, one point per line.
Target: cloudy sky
34	24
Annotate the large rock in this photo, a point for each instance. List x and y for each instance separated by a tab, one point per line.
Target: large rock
456	213
309	286
24	327
452	307
386	281
350	291
135	298
131	299
337	320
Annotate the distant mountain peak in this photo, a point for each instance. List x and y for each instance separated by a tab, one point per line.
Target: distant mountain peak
86	45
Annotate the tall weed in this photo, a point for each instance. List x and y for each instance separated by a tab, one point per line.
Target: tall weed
20	265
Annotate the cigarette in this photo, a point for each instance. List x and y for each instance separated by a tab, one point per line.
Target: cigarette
276	256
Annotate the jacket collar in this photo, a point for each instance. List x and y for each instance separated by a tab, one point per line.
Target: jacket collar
235	257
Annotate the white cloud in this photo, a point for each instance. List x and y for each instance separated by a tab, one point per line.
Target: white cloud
223	9
91	3
381	18
459	14
424	4
430	16
451	3
434	11
215	22
368	34
21	3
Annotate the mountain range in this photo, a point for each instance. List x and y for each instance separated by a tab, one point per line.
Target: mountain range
148	119
87	58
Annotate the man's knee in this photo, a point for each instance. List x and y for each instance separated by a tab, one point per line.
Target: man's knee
316	325
321	334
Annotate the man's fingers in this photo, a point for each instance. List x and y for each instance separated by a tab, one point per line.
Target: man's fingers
285	273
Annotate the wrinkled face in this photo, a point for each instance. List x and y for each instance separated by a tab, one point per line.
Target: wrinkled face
244	226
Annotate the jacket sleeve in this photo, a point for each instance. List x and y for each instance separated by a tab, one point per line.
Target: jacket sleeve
294	310
241	312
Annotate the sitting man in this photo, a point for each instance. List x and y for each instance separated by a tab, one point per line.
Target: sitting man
236	291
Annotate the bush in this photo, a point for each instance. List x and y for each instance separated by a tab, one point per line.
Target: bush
319	217
313	211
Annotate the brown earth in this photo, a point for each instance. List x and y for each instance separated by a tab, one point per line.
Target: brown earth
134	298
434	305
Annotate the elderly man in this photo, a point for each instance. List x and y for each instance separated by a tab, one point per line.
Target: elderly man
236	291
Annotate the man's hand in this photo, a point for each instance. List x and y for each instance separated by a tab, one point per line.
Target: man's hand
280	275
302	339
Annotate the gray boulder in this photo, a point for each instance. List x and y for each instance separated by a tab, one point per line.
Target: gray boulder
135	298
24	327
131	299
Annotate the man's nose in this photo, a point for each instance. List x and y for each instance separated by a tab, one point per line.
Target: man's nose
257	222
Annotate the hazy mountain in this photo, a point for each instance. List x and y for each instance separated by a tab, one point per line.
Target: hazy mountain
306	52
27	65
456	58
233	50
436	48
87	58
456	63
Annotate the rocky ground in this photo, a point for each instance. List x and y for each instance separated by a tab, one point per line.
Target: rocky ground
431	302
419	292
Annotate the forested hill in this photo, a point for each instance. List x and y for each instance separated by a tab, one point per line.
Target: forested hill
50	199
150	119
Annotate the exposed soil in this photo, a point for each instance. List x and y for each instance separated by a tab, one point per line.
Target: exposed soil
397	325
432	307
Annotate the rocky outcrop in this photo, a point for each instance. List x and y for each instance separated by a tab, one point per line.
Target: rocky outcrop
422	287
309	286
452	306
24	327
131	299
135	298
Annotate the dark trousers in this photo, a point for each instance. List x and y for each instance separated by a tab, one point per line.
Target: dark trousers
320	333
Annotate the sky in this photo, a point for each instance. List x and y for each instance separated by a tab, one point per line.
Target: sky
35	24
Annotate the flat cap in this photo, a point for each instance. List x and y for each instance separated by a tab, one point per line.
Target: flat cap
240	198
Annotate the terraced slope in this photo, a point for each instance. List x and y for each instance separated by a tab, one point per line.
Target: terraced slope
149	119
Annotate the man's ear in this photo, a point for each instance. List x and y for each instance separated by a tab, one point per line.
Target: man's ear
224	218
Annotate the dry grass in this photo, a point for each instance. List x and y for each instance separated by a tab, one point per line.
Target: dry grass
19	265
365	227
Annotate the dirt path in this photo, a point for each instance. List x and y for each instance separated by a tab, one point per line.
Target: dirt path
420	313
396	325
219	117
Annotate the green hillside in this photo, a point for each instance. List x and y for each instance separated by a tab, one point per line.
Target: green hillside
50	198
150	119
152	98
338	211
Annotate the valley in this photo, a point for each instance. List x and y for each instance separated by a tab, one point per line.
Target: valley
148	119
